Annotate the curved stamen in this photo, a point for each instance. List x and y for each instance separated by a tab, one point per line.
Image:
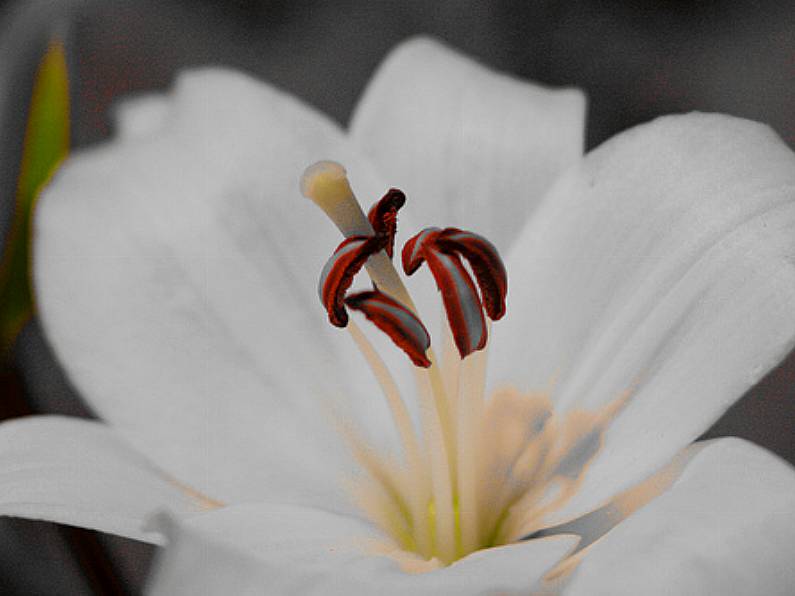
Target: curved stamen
398	322
461	302
383	217
486	264
339	271
442	250
414	250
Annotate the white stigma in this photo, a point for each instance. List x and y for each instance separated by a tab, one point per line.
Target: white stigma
326	184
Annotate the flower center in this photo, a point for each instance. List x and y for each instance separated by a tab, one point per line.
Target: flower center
482	472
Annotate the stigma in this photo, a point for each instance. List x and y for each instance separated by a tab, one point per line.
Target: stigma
326	184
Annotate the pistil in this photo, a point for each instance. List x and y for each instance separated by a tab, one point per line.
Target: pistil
326	184
443	499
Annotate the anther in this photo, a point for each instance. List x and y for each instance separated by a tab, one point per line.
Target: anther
383	217
399	323
326	184
339	271
486	264
442	250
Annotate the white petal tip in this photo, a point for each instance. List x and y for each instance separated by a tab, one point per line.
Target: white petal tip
142	115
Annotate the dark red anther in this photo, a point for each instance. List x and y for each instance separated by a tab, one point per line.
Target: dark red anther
389	315
414	250
486	264
442	250
383	217
339	271
397	321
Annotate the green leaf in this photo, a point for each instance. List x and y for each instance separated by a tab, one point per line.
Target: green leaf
46	144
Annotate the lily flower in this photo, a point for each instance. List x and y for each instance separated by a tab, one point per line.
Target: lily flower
649	284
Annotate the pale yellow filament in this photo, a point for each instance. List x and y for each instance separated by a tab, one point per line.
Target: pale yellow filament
471	387
436	422
418	497
383	474
442	505
451	365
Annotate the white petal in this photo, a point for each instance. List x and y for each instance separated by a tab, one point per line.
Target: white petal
79	472
282	549
726	526
470	147
662	267
141	116
176	273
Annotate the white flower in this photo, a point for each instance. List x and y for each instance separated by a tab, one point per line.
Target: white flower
175	270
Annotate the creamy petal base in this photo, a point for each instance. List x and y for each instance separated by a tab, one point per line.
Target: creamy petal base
663	267
726	526
288	550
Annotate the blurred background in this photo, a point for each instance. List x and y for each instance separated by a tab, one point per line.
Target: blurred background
635	60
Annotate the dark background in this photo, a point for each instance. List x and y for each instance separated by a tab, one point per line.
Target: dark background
634	60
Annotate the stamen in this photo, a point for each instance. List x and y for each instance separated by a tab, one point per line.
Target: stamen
441	456
450	366
461	301
486	264
484	473
339	271
383	217
398	322
386	477
444	503
414	249
418	470
471	389
441	250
